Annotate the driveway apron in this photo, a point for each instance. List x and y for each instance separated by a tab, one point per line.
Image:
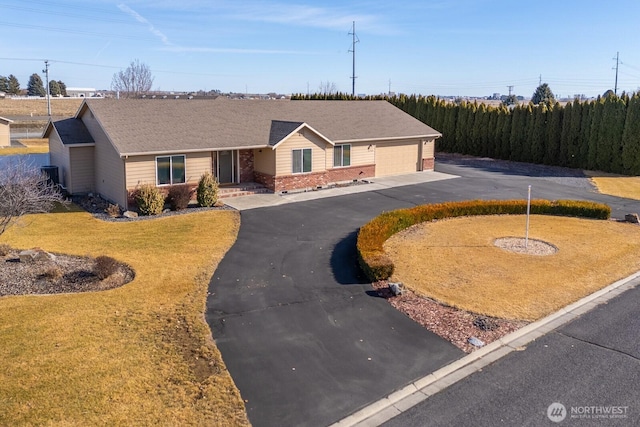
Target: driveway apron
305	338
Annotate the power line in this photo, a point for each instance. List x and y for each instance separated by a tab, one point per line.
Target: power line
617	59
353	51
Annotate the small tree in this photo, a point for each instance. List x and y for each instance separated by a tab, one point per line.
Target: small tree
25	190
35	87
63	88
207	192
134	81
327	88
510	100
4	84
543	94
14	85
54	88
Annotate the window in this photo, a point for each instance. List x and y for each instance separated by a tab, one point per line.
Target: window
342	155
302	160
170	170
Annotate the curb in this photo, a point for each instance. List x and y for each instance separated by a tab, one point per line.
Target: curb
401	400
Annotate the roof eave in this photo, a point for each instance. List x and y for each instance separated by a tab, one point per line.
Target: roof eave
395	138
191	150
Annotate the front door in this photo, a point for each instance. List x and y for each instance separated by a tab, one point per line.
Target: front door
226	167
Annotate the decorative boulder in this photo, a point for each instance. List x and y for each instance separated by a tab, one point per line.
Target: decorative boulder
396	288
130	214
632	218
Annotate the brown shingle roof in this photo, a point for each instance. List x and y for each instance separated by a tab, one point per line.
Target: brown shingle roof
138	126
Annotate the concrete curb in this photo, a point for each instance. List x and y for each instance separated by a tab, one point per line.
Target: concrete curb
401	400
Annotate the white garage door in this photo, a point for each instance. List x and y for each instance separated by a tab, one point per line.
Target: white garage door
395	158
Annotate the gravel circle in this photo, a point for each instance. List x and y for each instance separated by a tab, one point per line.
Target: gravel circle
520	245
56	274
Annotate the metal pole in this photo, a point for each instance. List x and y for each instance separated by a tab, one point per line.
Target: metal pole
526	239
46	73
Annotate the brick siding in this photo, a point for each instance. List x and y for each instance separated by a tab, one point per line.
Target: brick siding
246	166
314	180
428	164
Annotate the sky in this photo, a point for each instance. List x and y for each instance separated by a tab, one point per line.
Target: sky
428	47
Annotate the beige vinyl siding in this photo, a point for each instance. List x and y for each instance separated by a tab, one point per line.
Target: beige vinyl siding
303	139
109	167
82	173
59	156
264	161
142	169
428	149
5	137
397	157
361	154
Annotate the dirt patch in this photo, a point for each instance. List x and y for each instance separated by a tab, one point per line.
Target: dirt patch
55	274
524	246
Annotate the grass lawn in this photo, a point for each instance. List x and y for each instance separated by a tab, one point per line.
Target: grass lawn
31	146
137	355
454	261
619	186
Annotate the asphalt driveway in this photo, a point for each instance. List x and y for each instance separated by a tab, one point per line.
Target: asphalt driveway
305	339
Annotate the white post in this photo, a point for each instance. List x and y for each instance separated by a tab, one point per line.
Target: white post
526	239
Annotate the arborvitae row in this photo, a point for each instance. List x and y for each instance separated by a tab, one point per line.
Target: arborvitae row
602	134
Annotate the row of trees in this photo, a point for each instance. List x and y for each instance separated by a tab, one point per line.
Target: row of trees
35	87
603	134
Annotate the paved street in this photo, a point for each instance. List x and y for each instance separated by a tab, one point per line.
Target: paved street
593	362
305	339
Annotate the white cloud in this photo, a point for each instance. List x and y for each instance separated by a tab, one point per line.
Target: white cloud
126	9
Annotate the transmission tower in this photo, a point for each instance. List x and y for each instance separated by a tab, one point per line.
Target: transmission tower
353	51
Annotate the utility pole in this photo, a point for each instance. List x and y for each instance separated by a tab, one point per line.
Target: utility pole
353	51
510	90
389	87
617	59
46	73
540	80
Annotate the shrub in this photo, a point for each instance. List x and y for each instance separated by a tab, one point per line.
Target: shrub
105	266
52	273
149	199
207	192
371	237
113	210
4	249
179	196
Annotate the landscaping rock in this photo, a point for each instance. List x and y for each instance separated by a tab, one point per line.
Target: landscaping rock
484	323
28	256
43	256
632	218
130	214
396	288
476	342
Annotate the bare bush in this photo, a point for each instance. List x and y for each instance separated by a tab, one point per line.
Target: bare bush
25	190
105	266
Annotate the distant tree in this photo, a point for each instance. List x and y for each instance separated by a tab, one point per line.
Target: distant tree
63	88
14	85
136	80
608	93
510	100
35	87
4	84
543	94
54	88
24	190
327	88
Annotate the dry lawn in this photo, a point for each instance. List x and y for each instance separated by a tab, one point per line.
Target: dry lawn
29	149
65	107
455	262
137	355
619	186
